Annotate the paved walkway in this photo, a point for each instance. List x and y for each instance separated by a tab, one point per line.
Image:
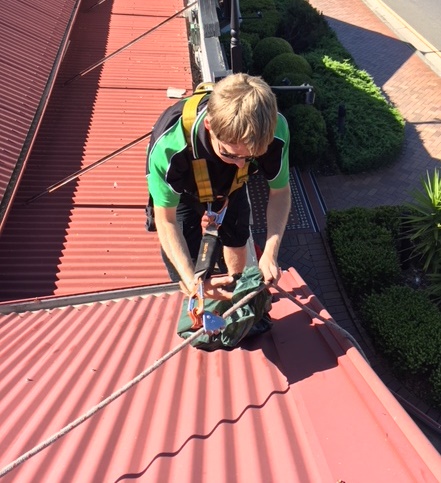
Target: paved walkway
414	88
409	83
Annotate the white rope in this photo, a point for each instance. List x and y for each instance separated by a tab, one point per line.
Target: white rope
40	447
329	322
99	406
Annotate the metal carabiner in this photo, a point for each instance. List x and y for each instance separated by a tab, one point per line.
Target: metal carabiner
217	217
211	322
196	311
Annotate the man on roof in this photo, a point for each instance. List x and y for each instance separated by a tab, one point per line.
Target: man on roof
236	126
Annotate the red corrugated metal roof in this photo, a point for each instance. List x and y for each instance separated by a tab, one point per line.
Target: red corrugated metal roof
297	404
90	234
30	38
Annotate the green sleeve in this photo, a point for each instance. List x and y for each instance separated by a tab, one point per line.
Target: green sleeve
165	151
282	133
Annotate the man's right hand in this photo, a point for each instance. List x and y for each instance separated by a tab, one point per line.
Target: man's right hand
214	288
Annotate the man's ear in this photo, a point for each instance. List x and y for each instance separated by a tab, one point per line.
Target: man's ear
207	124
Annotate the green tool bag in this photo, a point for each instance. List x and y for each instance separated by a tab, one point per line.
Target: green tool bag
251	318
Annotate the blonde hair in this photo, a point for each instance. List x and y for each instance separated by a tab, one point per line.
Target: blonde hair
243	109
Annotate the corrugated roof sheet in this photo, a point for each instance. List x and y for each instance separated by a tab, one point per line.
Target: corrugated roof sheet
90	235
297	404
30	37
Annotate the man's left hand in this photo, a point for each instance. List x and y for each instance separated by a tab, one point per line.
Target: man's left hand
270	269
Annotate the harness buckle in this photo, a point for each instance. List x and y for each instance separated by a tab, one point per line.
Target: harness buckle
216	218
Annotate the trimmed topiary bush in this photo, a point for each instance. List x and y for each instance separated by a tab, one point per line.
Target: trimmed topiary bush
285	63
268	48
403	321
388	217
252	38
308	136
366	258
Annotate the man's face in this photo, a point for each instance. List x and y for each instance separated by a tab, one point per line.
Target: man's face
237	154
231	153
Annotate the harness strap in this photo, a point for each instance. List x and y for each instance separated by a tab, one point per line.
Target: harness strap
190	110
203	183
200	168
202	178
189	114
241	177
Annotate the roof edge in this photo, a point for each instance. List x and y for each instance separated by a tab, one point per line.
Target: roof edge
52	302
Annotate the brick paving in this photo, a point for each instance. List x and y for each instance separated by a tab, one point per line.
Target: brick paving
415	90
409	84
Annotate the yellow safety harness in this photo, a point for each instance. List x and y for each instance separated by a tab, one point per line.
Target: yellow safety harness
200	168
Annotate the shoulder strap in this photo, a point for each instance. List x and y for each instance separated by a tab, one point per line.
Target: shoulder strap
203	182
190	110
202	178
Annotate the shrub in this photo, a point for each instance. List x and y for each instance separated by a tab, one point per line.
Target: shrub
434	288
252	38
364	250
386	216
331	46
265	25
308	136
372	133
267	49
423	223
283	63
407	327
247	56
435	381
285	98
366	258
302	25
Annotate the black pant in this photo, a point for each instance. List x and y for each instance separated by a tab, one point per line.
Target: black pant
234	231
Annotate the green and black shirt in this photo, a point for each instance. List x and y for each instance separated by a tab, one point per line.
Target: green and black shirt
169	160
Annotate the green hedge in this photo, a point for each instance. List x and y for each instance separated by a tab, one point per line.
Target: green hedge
388	217
404	322
267	24
308	136
373	131
268	48
301	25
407	327
364	245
